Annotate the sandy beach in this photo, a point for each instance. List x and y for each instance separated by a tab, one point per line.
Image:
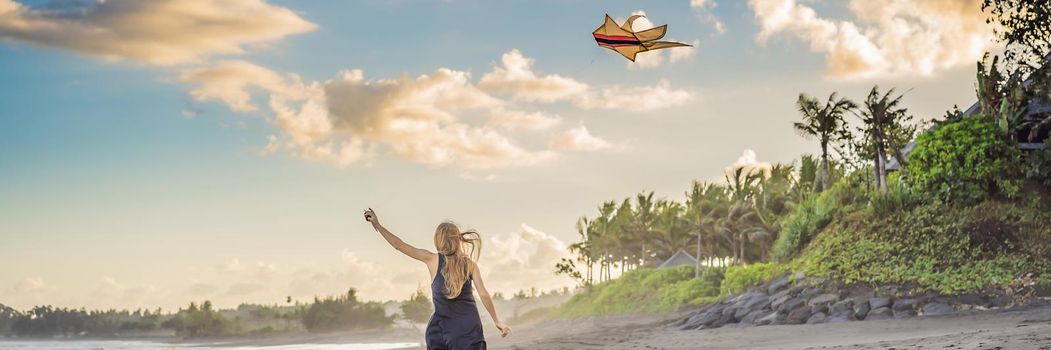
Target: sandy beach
1021	328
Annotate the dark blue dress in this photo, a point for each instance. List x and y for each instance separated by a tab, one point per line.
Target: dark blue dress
455	324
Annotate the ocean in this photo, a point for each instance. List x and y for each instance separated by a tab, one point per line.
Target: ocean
143	345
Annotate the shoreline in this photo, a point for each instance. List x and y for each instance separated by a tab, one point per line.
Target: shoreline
1025	327
388	336
1022	327
396	335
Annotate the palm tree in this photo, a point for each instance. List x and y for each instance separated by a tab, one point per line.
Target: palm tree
731	229
774	193
739	223
774	198
621	234
1001	97
603	238
741	185
881	115
807	180
825	123
644	215
702	202
583	249
670	228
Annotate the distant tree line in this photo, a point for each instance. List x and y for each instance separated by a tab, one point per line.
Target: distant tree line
44	321
344	312
334	313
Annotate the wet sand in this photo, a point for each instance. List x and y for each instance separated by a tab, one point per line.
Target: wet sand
1023	328
1020	328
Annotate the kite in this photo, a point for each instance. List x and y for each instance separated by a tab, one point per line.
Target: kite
628	42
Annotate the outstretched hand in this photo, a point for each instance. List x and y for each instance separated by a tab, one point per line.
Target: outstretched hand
371	217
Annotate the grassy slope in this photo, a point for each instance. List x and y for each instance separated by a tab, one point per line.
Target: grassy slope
930	247
911	236
646	291
934	247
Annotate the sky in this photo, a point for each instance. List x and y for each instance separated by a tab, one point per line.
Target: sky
156	153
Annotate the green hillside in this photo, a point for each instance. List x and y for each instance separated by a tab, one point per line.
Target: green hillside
956	204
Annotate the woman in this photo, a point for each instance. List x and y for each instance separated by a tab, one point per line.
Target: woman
455	324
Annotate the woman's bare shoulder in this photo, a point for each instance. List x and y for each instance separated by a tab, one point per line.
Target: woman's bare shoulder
431	257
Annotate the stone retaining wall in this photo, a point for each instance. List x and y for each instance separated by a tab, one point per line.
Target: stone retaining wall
814	300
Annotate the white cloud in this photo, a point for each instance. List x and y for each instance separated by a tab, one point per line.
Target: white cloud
265	269
233	281
347	119
202	290
528	253
233	265
418	119
470	176
190	113
526	85
647	59
243	289
299	110
231	82
680	53
372	281
510	262
704	9
749	162
888	38
30	291
339	120
161	32
637	98
522	259
701	3
111	293
244	279
577	139
519	120
272	145
515	76
28	285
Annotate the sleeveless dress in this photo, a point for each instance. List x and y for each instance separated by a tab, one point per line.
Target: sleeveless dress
455	324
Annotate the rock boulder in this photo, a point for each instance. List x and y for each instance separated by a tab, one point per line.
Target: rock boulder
772	318
792	305
883	313
905	304
777	285
875	303
799	315
823	299
861	309
819	317
937	308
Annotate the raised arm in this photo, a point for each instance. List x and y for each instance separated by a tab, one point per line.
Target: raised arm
487	300
407	249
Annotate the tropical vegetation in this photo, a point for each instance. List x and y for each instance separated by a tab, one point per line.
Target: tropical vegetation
645	290
966	206
417	308
344	312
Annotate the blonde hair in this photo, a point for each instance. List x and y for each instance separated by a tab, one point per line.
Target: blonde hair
458	248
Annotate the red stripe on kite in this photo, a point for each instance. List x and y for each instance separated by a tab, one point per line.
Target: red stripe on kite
616	37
